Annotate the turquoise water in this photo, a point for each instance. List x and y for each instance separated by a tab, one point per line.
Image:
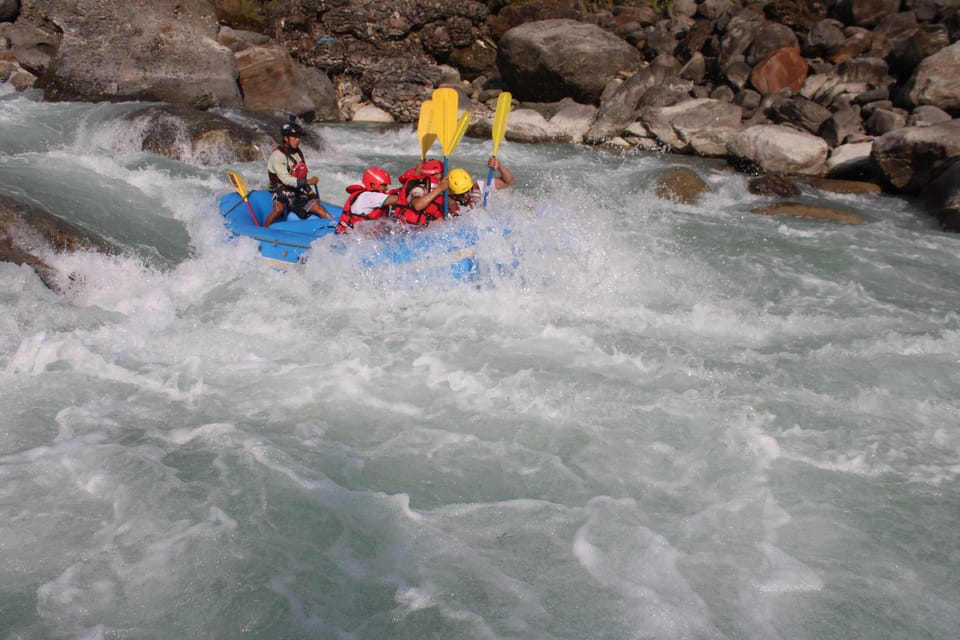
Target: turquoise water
668	421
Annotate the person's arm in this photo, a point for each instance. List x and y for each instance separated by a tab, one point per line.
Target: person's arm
506	178
420	203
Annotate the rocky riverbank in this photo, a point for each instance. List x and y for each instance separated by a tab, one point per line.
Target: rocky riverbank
865	90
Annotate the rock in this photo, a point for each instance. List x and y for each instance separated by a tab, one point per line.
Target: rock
841	124
772	185
619	109
942	197
807	211
910	157
552	59
682	185
158	40
850	160
866	13
701	126
28	235
936	80
926	115
371	113
779	149
882	121
824	39
199	137
270	83
801	112
783	69
770	38
843	186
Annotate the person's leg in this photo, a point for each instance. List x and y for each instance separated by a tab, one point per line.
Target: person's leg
318	209
275	214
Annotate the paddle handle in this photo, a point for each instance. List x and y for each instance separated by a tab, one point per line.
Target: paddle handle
252	214
486	192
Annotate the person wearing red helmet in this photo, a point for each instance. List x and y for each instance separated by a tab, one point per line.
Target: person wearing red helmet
289	184
420	200
370	200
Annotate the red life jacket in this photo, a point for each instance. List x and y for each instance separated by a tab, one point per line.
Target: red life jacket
296	166
404	208
348	218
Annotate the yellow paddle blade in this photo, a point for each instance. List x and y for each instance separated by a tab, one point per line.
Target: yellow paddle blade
425	128
445	104
462	125
238	184
500	119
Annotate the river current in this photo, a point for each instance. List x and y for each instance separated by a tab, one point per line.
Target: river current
663	421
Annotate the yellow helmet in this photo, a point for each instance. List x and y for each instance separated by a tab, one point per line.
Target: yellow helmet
460	182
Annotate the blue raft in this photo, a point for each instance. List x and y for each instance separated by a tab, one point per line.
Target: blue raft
434	251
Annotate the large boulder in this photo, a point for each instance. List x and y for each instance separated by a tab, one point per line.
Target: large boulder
620	109
936	81
942	197
548	60
779	149
911	157
163	50
702	126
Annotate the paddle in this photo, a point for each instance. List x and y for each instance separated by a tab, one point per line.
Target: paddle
425	129
241	187
499	130
445	104
462	125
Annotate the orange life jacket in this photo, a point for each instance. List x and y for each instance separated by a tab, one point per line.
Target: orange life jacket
348	218
404	208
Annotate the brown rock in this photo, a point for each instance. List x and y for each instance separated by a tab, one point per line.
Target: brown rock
771	185
783	69
843	186
681	185
807	211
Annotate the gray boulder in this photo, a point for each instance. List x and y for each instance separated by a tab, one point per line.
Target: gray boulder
936	80
164	50
911	157
700	126
779	149
548	60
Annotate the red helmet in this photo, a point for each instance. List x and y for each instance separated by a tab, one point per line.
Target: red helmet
374	178
431	168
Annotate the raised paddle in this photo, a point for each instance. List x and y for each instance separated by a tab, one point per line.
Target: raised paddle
425	129
462	125
445	104
499	130
241	187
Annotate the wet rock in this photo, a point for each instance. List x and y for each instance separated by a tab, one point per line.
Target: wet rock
682	185
29	236
772	185
807	211
779	149
942	197
843	186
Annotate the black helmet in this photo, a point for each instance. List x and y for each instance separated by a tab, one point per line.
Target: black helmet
291	129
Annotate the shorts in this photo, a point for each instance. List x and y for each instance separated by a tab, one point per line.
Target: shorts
296	203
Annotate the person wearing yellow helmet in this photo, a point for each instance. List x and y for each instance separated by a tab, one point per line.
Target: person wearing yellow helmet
466	193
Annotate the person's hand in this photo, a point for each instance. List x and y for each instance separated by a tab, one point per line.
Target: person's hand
312	181
444	184
493	163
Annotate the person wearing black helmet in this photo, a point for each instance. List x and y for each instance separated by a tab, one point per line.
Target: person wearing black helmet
289	184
